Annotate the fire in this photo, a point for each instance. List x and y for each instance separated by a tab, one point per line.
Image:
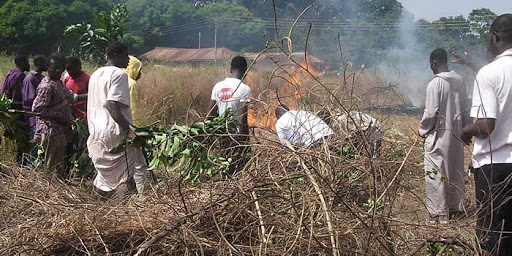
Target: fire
289	89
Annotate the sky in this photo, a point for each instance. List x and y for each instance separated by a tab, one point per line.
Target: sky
434	9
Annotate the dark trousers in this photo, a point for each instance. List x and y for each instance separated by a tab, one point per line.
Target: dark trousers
493	191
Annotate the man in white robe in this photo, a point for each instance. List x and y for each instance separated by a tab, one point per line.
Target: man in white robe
109	120
446	112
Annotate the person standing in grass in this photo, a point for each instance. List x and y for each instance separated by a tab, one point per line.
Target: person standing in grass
232	93
28	92
492	153
77	82
14	81
109	118
53	129
12	89
134	71
446	112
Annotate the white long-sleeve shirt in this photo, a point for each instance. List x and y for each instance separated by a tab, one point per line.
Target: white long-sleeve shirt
301	128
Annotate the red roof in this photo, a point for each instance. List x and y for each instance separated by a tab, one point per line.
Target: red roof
183	54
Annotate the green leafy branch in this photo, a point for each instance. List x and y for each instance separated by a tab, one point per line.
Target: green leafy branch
193	147
13	125
105	27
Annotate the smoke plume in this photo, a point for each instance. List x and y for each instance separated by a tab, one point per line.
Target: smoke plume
408	64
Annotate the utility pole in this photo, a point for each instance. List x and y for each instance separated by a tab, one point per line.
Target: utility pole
199	39
215	42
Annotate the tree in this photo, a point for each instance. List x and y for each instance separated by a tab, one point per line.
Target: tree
35	27
159	21
106	27
236	27
480	21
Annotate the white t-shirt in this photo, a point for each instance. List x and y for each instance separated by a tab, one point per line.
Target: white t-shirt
492	98
301	128
108	83
229	93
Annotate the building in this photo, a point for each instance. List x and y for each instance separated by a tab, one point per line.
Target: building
170	55
270	60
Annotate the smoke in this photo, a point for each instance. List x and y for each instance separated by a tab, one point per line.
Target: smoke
408	64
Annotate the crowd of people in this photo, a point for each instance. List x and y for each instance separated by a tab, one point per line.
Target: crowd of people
106	99
109	101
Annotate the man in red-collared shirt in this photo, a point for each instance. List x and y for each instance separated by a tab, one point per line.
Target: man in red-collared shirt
78	83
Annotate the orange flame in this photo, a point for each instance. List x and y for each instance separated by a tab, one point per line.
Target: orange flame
291	92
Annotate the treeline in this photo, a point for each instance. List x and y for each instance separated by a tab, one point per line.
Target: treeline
365	29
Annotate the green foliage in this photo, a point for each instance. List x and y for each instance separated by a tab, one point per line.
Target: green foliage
36	26
82	164
394	155
435	248
151	22
370	203
105	28
191	147
480	21
364	27
432	174
13	125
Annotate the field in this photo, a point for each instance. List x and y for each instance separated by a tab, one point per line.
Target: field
284	202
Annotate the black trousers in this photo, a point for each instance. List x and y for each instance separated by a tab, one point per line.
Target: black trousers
493	191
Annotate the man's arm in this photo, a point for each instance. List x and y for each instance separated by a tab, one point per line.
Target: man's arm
429	119
213	110
482	128
244	126
114	109
80	97
467	62
28	92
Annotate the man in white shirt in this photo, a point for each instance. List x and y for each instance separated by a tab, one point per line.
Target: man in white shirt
300	127
492	153
232	93
109	120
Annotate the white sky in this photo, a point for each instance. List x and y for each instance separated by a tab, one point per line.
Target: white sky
434	9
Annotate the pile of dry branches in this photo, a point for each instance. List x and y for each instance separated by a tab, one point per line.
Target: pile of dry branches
286	201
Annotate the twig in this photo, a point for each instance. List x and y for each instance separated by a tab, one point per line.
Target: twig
176	223
260	217
322	201
398	171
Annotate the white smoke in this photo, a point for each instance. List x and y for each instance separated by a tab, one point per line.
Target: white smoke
408	64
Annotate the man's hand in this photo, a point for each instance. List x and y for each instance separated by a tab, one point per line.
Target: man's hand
114	109
131	134
458	59
465	134
482	128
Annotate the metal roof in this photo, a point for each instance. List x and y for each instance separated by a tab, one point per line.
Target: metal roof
184	54
282	58
270	60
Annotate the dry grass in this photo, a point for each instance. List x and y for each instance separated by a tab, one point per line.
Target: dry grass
46	217
284	202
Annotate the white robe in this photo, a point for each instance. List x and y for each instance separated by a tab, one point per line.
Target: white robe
111	83
446	112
